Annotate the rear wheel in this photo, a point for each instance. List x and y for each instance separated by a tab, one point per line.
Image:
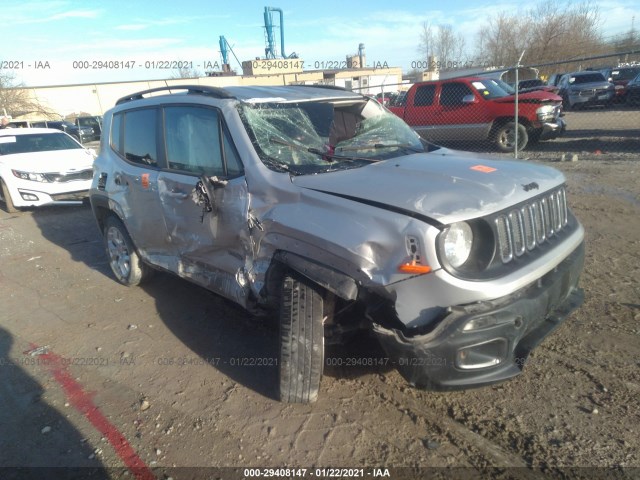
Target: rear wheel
126	264
505	137
6	198
301	340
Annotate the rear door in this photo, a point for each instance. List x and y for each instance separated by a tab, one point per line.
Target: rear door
209	246
419	113
134	136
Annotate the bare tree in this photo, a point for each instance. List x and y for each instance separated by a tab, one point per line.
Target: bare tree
186	72
501	41
548	32
442	43
626	42
15	99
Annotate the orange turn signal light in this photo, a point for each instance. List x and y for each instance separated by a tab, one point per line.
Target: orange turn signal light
414	268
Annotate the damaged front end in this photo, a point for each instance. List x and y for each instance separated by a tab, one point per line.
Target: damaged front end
486	342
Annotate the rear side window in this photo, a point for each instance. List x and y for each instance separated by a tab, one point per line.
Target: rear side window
140	144
424	96
116	130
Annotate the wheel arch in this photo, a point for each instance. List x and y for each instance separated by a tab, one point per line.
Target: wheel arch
500	121
332	280
102	208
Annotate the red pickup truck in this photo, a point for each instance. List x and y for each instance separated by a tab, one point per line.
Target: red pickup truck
473	109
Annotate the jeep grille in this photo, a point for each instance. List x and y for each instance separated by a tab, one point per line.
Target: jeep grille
527	227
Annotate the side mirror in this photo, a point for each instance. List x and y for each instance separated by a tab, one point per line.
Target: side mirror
468	99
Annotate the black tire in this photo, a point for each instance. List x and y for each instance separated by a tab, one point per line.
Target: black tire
301	340
6	198
124	260
534	136
504	137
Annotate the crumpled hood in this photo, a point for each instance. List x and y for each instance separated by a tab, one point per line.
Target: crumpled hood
536	96
444	185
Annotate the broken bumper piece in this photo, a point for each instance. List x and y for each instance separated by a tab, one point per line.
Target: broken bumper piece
488	342
551	130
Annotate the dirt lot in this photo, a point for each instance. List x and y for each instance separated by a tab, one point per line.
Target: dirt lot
153	378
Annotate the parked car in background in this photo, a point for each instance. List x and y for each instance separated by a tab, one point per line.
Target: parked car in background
587	88
41	166
620	77
19	124
93	122
319	206
554	79
632	96
535	84
81	134
471	110
399	100
386	97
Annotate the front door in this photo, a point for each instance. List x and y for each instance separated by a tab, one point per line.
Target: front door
457	119
209	245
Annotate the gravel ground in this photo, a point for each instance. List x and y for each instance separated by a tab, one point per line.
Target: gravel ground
138	355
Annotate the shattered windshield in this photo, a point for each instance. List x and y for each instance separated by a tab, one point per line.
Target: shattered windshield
314	137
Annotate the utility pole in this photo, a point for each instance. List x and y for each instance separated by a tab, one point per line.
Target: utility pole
517	125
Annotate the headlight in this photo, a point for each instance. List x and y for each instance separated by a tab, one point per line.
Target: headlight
545	113
457	243
35	177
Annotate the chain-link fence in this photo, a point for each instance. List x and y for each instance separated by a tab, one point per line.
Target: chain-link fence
583	106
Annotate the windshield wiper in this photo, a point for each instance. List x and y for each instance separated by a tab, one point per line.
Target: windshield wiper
377	146
326	156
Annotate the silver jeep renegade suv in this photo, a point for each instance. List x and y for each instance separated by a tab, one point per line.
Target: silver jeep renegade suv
319	205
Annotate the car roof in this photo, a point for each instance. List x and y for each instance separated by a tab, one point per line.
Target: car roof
252	94
289	93
584	72
12	132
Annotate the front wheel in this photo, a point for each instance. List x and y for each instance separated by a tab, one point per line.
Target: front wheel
301	340
6	198
126	264
505	137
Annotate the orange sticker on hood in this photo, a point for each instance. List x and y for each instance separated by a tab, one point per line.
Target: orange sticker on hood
145	180
483	168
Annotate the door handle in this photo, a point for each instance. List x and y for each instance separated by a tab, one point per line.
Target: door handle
177	194
119	180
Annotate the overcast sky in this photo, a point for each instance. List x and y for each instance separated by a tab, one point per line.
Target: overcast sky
43	39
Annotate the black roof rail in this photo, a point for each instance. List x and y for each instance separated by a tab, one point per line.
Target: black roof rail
191	89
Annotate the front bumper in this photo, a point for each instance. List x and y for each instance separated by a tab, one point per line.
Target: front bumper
592	99
453	358
553	129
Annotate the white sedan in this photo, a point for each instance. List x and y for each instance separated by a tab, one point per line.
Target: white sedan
42	166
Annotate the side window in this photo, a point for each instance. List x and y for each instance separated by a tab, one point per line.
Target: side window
453	93
424	96
116	124
234	166
192	136
140	137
